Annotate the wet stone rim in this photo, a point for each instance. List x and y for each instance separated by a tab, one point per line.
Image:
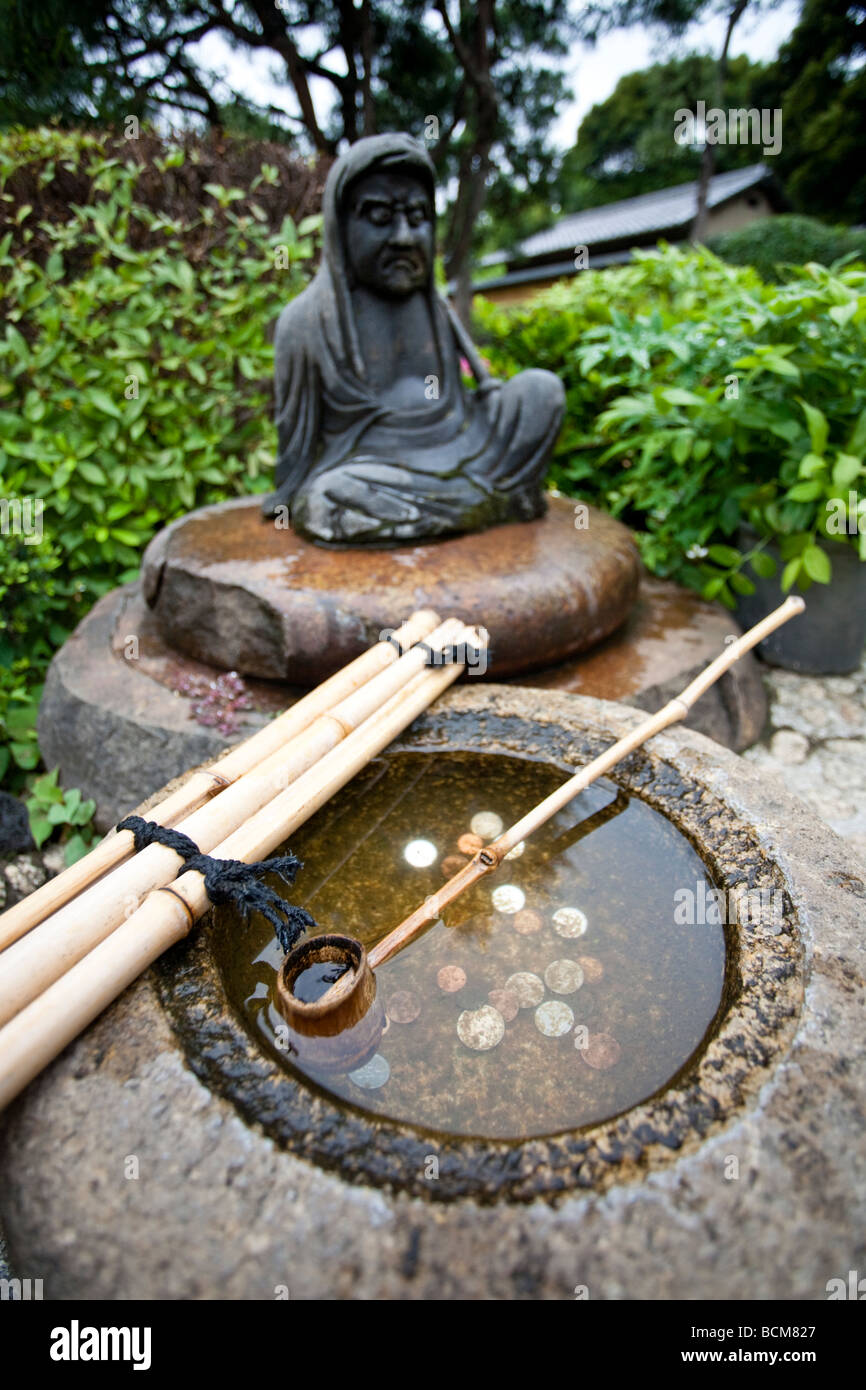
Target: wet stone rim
761	1001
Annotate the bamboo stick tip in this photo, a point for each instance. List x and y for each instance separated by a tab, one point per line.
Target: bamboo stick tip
796	603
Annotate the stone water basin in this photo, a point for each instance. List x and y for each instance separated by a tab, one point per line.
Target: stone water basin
555	994
669	1015
741	1176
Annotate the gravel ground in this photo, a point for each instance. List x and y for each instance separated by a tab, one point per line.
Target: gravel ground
816	742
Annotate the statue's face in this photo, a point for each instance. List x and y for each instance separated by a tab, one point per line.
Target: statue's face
389	233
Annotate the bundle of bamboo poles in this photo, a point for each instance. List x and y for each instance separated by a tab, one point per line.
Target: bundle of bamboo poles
70	948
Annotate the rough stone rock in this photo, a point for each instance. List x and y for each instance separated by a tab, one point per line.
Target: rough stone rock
23	875
14	825
229	588
669	636
112	732
816	741
221	1211
789	747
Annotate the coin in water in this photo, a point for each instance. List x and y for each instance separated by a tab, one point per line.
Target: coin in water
481	1028
569	921
528	988
517	851
527	922
553	1018
403	1006
373	1074
486	824
563	976
470	844
593	970
602	1051
452	864
451	978
508	897
420	853
506	1001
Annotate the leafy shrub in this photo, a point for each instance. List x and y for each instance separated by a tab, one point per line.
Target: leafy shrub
54	811
699	398
135	364
773	243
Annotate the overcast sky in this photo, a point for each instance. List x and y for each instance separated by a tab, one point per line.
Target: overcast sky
594	72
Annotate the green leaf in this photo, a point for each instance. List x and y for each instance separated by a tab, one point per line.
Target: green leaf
817	564
26	755
41	829
843	313
104	402
742	584
682	447
789	574
845	470
763	564
810	464
75	848
780	365
92	474
805	492
723	555
676	395
817	425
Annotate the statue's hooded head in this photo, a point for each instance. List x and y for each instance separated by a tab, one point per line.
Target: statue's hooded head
379	211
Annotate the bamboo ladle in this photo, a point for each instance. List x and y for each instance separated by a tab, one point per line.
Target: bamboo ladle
341	1029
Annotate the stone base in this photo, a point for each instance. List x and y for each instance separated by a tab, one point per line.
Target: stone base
221	1211
230	588
114	725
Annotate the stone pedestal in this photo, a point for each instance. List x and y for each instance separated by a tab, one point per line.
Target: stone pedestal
232	589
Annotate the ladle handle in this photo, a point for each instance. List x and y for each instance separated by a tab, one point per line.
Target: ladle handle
487	860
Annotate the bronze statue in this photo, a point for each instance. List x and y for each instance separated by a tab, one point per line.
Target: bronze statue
379	439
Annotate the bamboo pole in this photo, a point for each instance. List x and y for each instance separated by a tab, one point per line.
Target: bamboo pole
41	1030
30	965
488	859
201	786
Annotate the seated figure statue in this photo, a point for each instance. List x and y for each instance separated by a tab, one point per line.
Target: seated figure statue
379	439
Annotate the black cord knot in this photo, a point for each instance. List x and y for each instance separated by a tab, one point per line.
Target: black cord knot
231	880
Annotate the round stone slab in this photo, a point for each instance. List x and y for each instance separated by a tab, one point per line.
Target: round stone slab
229	587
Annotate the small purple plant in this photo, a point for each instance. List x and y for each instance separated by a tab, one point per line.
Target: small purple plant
216	703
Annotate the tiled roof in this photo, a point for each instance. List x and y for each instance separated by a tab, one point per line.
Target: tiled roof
667	210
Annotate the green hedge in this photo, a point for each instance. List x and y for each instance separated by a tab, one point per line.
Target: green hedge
772	244
135	371
700	397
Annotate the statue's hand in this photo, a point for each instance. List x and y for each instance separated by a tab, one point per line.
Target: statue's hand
487	385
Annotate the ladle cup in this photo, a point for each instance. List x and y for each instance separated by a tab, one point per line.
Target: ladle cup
339	1031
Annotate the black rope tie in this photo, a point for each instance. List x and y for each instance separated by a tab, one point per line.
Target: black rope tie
231	880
